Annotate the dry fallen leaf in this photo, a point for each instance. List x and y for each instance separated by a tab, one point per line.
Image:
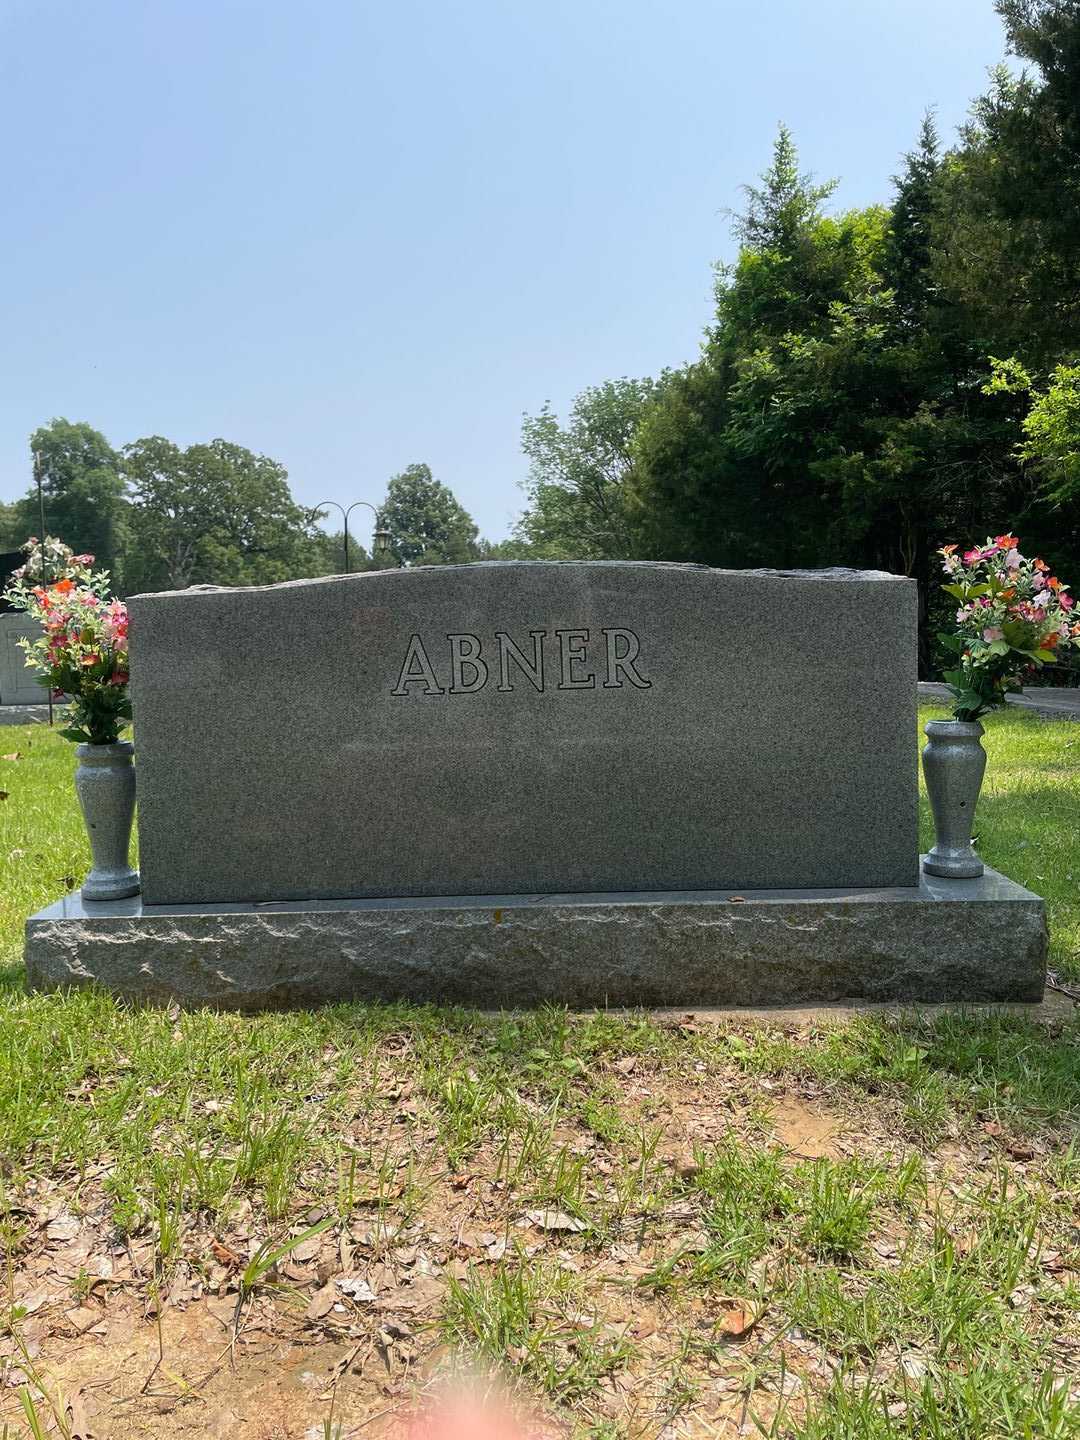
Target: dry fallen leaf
307	1250
356	1287
224	1256
78	1416
1020	1149
15	755
82	1318
738	1321
555	1220
36	1299
322	1302
64	1227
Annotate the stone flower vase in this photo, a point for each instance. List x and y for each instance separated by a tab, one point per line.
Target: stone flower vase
953	763
105	785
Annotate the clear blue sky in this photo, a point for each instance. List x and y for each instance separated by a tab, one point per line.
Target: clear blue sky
355	235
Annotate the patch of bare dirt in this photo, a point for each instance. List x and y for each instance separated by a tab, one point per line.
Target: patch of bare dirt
807	1132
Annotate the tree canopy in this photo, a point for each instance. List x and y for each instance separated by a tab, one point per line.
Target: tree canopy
426	523
874	382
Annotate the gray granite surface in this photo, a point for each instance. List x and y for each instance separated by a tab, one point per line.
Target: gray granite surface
960	941
526	727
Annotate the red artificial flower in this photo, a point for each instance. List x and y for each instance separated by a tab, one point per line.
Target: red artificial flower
64	586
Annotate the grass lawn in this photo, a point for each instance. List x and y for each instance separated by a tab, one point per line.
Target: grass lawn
292	1225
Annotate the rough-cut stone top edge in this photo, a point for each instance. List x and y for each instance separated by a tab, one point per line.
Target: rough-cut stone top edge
835	574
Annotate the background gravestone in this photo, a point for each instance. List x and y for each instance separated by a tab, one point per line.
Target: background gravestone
526	727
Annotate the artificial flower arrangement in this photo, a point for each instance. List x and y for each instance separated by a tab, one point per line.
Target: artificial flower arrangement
1014	617
83	650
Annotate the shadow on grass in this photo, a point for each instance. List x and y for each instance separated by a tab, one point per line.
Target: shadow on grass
999	1065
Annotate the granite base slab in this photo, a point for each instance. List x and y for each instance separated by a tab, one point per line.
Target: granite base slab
941	941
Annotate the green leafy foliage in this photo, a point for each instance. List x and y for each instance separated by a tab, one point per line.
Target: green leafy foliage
850	405
212	514
83	492
580	473
426	523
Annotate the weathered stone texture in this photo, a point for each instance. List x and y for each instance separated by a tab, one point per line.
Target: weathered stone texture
521	728
968	940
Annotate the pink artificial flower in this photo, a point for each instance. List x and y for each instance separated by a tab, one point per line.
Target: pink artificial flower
1039	583
1042	600
993	632
970	556
1066	602
1013	559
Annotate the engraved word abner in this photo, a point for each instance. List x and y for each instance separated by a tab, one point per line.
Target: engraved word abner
571	663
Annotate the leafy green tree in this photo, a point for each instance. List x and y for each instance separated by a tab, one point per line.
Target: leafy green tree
84	494
577	487
11	531
1010	205
427	525
213	514
837	414
1047	33
328	549
1052	436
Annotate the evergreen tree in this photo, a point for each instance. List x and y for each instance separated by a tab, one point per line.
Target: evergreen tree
909	252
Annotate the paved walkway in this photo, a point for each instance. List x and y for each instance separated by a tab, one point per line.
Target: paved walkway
25	714
1054	704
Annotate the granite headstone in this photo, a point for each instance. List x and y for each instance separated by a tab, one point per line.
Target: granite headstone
519	728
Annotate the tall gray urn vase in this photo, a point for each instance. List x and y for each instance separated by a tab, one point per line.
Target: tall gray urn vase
953	763
105	785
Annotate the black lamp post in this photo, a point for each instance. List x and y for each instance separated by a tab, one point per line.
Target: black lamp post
38	468
382	535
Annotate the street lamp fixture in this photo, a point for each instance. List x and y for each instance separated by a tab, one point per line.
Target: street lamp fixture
382	535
